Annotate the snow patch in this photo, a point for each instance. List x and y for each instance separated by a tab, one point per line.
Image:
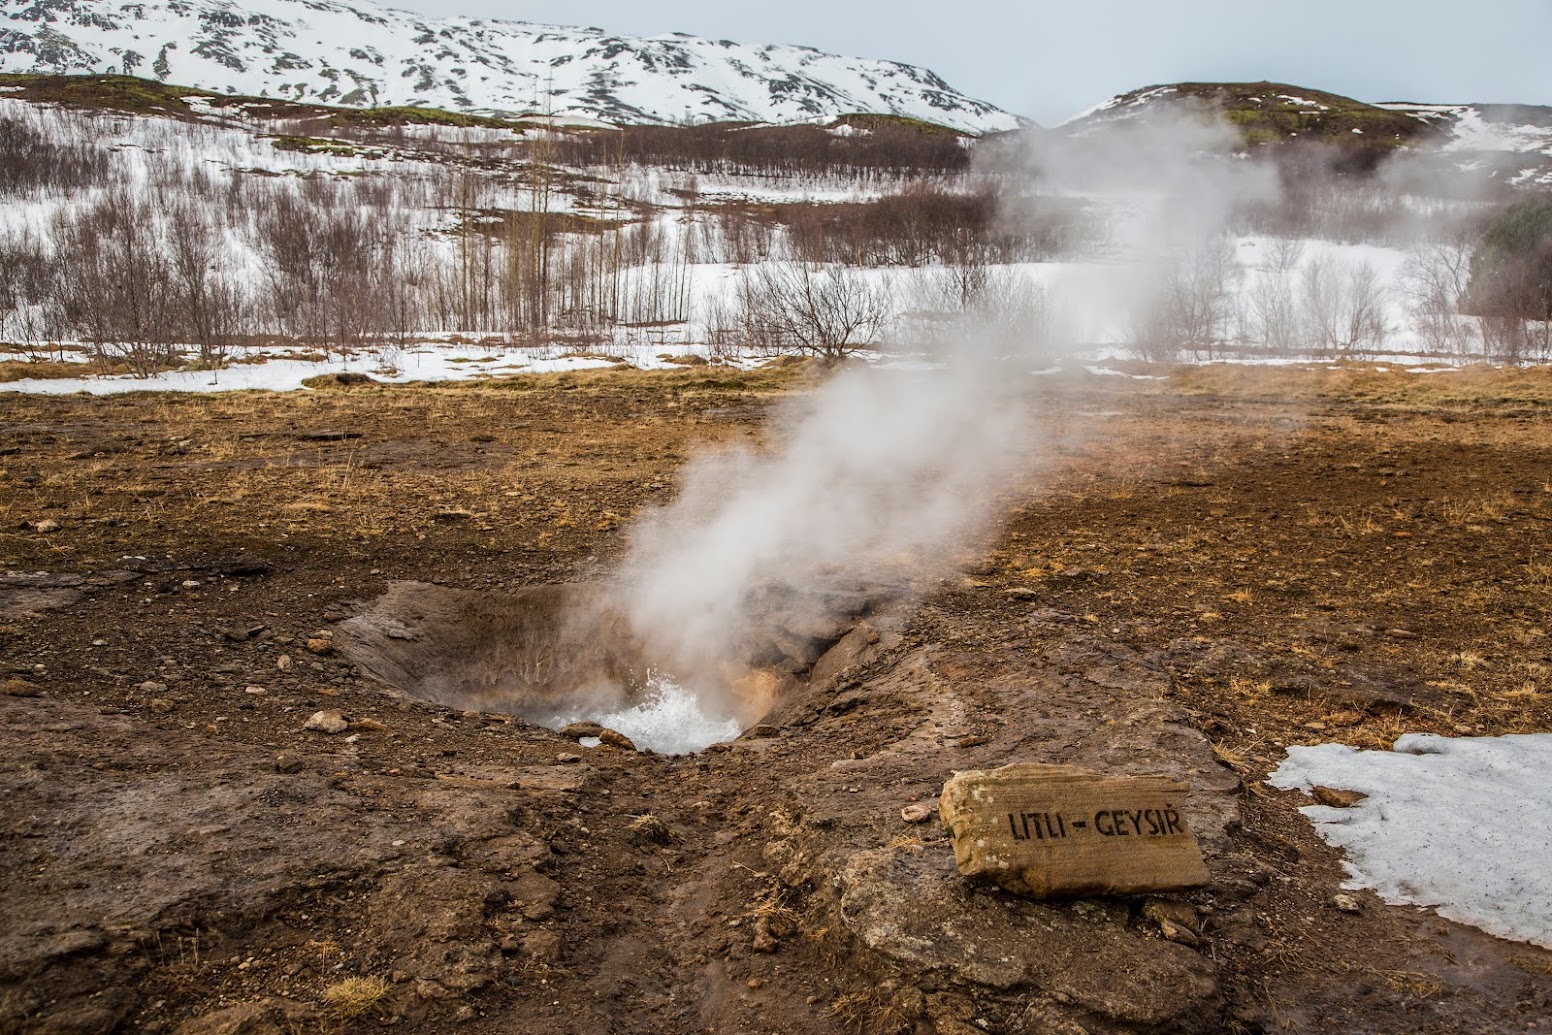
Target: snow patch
1461	825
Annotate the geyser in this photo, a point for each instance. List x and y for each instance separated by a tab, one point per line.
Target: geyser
562	654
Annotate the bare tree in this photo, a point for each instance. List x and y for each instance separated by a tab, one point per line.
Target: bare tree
1435	277
1343	304
829	313
1193	302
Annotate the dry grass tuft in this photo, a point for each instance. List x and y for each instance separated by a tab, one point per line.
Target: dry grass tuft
356	996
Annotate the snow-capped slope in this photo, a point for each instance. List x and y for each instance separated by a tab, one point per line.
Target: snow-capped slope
1515	128
357	53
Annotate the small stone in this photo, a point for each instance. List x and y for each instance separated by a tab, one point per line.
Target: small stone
287	764
543	946
329	722
161	706
1346	904
1178	935
150	686
578	730
369	725
1336	798
283	663
1177	914
614	738
566	758
190	583
918	812
320	645
255	690
46	526
18	688
1021	593
755	983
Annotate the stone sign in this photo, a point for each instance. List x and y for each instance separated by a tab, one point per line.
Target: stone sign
1055	830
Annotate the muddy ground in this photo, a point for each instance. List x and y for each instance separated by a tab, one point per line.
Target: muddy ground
1198	572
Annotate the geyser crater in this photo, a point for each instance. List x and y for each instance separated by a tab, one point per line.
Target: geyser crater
558	655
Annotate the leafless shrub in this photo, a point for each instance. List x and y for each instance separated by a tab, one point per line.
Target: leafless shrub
1192	304
1435	277
1343	305
832	312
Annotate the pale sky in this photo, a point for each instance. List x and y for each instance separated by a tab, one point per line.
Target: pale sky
1048	61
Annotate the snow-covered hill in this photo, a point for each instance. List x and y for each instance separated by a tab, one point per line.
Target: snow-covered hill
360	54
1514	128
1510	141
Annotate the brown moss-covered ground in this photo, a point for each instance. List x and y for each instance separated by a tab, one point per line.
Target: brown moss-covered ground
1304	556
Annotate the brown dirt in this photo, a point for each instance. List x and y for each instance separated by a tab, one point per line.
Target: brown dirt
1215	567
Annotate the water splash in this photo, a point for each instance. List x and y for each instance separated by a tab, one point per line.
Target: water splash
669	719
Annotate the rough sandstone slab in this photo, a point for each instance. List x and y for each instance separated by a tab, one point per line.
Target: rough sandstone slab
1054	830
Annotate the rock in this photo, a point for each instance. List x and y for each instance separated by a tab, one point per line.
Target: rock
566	758
1346	904
329	722
369	726
287	764
1021	593
283	663
910	907
652	830
255	690
1336	798
1047	831
542	947
614	738
273	1016
161	706
320	645
578	730
46	526
917	812
152	687
1179	915
18	688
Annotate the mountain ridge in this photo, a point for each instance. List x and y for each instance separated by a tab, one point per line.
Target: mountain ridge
356	53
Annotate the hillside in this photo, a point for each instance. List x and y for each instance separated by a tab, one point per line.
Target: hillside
358	54
1267	113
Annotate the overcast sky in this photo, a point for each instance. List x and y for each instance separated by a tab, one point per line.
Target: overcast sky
1048	60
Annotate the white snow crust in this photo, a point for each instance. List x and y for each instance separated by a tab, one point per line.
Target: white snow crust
1463	825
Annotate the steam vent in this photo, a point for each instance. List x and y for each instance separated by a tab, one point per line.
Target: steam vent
558	655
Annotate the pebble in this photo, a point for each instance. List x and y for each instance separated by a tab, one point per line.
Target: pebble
46	525
283	663
255	690
320	645
1346	904
150	686
918	812
566	758
161	706
1336	798
18	688
329	722
614	738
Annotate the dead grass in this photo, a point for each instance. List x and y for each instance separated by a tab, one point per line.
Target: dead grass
355	996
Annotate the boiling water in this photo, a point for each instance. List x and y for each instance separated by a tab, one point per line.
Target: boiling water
668	719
